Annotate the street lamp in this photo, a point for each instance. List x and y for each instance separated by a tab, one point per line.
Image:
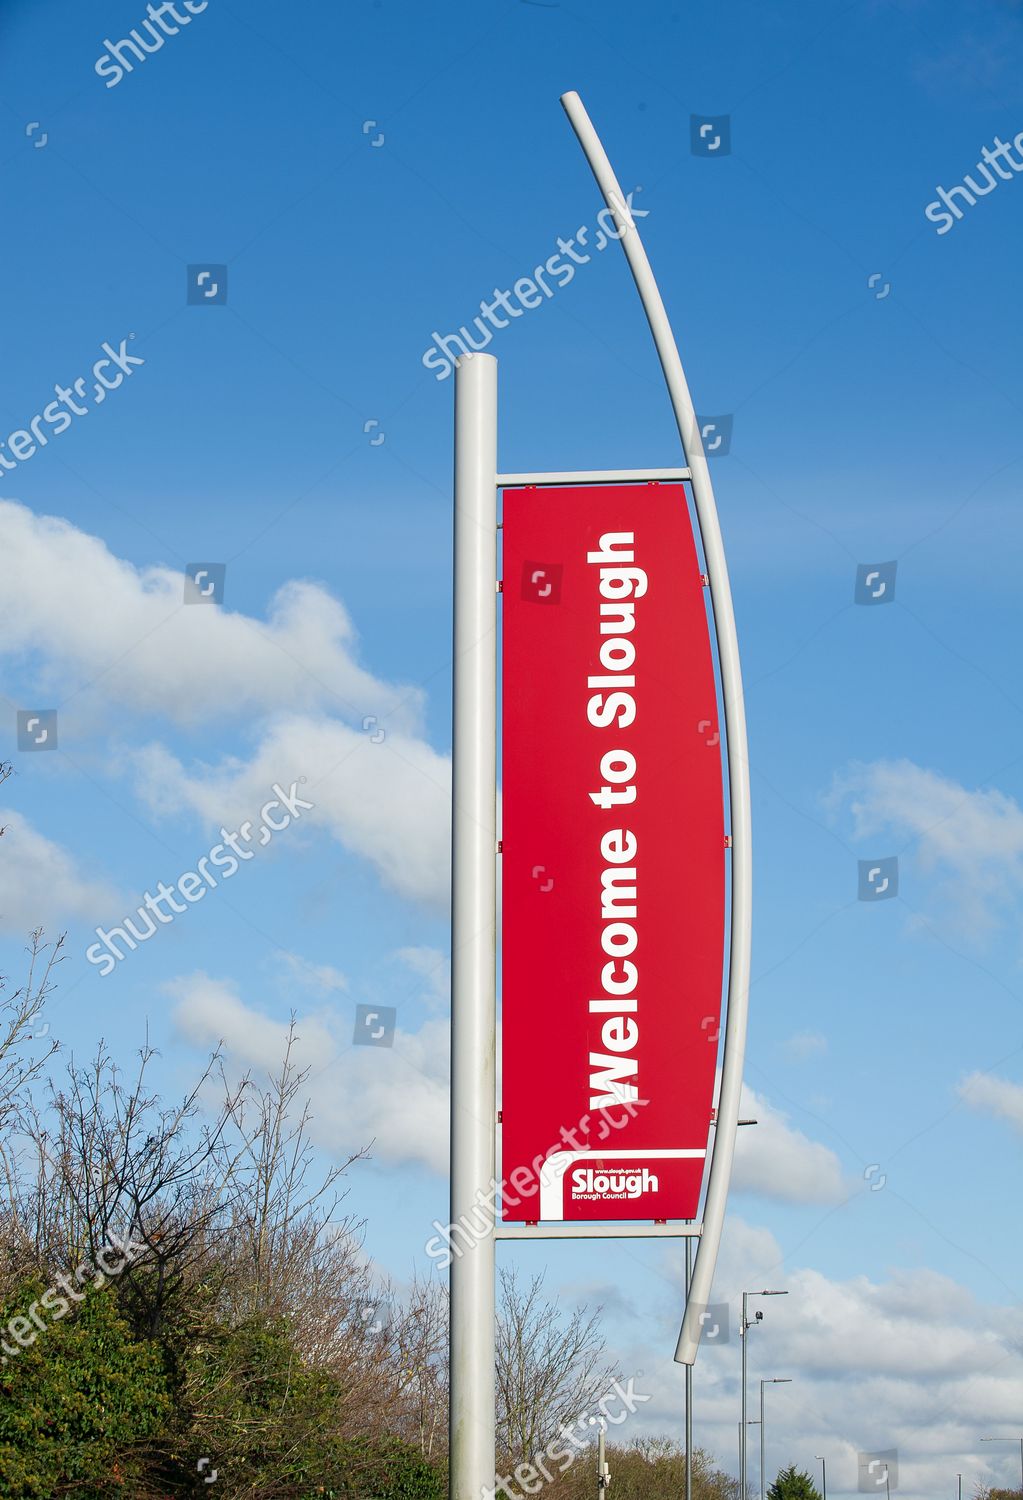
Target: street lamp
773	1380
1011	1440
744	1327
824	1476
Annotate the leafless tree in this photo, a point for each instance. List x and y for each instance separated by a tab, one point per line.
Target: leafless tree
551	1368
420	1367
648	1468
293	1255
20	1067
19	1023
277	1194
114	1163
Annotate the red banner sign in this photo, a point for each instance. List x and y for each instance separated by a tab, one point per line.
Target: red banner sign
613	856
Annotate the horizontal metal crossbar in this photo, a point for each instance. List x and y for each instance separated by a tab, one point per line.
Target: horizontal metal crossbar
582	1231
593	476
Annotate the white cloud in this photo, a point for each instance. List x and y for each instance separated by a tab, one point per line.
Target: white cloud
919	1323
434	968
912	1361
320	979
994	1096
98	631
400	1095
41	884
805	1044
388	802
395	1097
973	840
125	633
775	1160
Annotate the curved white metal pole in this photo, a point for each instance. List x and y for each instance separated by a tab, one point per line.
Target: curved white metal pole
735	724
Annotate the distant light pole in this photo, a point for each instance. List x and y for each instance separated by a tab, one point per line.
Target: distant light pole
689	1368
603	1476
745	1326
1011	1440
960	1479
773	1380
824	1476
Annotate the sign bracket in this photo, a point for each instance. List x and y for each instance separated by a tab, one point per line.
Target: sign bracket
592	476
598	1231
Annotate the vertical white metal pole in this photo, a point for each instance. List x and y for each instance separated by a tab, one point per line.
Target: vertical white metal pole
689	1383
744	1333
762	1440
474	925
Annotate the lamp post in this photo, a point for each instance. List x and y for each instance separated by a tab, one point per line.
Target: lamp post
773	1380
824	1476
960	1479
1010	1440
745	1326
603	1476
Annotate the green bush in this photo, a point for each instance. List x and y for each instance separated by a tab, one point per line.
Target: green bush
269	1425
81	1405
87	1409
387	1469
252	1409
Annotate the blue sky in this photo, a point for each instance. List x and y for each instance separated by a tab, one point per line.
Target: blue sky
867	361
